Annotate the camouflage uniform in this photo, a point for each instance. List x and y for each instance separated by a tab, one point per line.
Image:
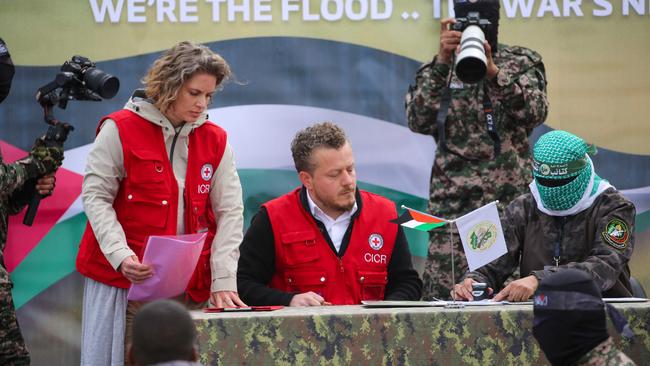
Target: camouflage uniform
460	185
586	243
12	346
605	354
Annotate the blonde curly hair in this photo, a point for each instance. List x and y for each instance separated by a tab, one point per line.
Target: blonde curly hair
179	64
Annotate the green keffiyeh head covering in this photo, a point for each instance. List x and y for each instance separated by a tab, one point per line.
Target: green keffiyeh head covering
562	169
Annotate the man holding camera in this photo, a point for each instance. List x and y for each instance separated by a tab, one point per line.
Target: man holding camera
15	191
481	130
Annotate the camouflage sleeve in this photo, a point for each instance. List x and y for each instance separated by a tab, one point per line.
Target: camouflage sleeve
12	177
613	243
513	221
520	86
12	180
423	97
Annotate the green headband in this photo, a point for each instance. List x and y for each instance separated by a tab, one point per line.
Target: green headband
562	170
558	170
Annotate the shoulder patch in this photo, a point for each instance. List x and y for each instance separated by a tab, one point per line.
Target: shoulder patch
617	233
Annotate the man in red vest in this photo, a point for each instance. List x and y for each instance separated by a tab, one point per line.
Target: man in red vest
326	242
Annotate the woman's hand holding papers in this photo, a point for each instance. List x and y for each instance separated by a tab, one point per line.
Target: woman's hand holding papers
135	271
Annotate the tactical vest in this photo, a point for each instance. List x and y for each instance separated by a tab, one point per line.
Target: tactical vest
305	262
147	201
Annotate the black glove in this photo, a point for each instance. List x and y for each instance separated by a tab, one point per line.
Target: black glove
42	159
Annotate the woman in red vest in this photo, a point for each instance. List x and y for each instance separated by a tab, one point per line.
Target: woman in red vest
158	167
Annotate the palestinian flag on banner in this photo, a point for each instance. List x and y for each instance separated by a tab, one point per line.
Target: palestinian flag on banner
418	220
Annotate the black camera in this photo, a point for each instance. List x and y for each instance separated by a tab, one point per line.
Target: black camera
79	79
472	18
478	20
471	61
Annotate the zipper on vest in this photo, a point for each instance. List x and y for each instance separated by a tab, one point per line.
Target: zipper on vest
171	149
557	253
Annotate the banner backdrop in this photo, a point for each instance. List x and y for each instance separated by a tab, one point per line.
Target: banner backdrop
298	62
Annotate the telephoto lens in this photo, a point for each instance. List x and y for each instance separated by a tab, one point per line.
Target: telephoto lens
471	62
102	83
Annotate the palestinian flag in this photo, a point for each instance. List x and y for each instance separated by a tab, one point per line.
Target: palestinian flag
418	220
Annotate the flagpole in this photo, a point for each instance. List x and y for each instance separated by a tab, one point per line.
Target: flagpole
453	304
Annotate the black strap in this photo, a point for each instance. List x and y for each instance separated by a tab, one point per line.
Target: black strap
490	122
443	111
445	99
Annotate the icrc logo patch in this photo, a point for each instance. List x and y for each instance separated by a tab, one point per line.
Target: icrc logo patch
616	233
375	241
206	172
482	235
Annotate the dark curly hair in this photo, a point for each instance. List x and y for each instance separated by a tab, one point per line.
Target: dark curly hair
326	134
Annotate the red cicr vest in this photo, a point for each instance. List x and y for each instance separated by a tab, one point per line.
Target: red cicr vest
305	262
147	201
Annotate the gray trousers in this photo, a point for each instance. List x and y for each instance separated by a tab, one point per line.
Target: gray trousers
103	324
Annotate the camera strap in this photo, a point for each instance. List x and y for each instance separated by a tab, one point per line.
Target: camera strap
441	117
443	111
490	122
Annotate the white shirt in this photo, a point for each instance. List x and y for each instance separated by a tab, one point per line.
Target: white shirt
335	228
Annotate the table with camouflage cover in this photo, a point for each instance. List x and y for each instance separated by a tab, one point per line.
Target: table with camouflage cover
354	335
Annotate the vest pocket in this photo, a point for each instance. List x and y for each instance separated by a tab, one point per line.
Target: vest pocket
299	247
146	211
146	167
372	284
299	281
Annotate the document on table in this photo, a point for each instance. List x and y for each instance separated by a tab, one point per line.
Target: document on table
401	304
624	299
174	259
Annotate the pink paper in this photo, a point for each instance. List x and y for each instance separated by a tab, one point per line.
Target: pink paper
174	259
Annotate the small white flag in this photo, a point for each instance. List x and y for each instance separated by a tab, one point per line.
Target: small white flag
482	236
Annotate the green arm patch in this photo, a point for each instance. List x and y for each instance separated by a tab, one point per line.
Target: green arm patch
617	233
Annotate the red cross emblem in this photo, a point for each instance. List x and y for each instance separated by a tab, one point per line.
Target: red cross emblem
206	172
375	241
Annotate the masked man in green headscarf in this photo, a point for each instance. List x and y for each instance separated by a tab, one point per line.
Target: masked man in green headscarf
571	218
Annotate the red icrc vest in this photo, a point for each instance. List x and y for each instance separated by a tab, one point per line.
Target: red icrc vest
305	262
147	201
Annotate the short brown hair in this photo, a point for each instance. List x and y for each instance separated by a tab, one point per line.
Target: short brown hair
326	134
177	65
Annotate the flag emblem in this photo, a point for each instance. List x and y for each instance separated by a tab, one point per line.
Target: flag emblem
616	233
375	241
206	172
418	220
482	235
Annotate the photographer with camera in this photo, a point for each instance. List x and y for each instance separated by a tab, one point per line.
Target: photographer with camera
480	105
158	167
18	182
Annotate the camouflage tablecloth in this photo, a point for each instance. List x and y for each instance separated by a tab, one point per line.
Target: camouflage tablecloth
354	335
